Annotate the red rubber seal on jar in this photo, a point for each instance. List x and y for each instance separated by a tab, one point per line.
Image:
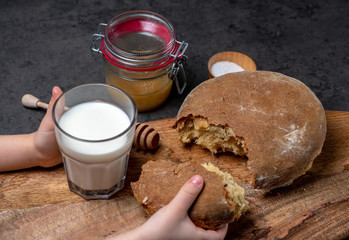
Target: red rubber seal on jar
145	22
113	60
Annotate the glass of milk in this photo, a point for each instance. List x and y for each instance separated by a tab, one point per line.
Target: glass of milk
94	126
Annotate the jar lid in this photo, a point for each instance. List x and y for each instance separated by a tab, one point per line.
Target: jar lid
139	41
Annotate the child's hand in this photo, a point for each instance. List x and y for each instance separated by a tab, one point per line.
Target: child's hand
35	149
172	221
44	138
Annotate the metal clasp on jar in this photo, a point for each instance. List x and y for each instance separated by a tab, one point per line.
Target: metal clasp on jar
97	38
177	66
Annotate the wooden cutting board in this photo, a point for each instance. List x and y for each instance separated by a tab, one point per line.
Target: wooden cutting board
37	204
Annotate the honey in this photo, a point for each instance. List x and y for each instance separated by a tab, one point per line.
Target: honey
148	94
142	57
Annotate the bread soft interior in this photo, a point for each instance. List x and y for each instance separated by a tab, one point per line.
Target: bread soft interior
235	194
214	138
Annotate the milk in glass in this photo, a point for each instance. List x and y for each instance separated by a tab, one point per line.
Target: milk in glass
95	157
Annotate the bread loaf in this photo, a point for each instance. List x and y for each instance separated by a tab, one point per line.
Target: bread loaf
274	120
221	200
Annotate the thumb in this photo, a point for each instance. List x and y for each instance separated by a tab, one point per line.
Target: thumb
187	194
47	124
56	92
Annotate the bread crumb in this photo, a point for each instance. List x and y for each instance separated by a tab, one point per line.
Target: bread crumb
145	199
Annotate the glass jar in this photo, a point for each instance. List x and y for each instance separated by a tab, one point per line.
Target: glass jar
141	56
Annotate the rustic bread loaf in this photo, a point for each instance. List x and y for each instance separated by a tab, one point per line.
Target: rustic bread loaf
221	200
274	120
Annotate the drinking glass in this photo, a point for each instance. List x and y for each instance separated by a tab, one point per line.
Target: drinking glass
94	126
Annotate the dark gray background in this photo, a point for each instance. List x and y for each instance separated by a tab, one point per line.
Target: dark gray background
46	43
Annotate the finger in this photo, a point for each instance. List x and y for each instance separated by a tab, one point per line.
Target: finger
47	123
213	234
56	92
222	231
187	195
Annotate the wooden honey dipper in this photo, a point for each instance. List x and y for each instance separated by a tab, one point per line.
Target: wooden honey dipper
146	138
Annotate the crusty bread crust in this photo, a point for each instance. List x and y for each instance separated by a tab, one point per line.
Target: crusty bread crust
280	120
161	180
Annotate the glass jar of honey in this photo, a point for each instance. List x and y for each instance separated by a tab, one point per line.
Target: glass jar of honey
141	56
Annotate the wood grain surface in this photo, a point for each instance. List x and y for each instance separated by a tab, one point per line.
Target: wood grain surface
37	204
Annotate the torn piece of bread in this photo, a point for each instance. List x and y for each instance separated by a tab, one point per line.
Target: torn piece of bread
235	194
274	120
221	200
